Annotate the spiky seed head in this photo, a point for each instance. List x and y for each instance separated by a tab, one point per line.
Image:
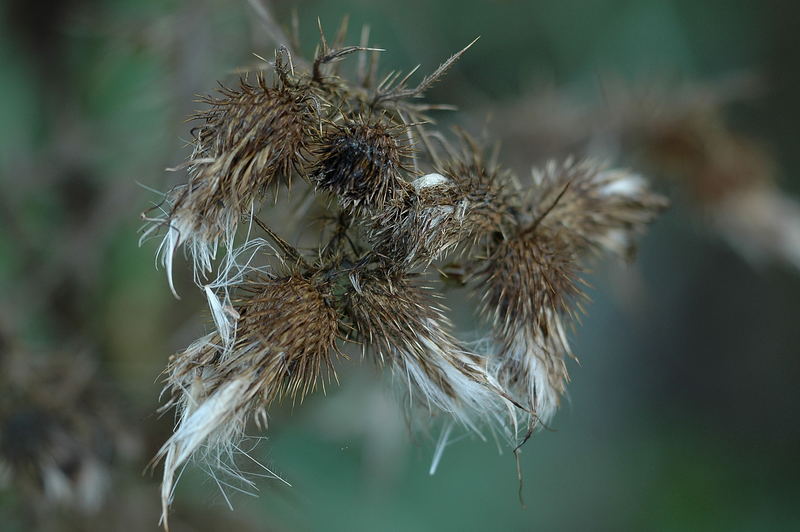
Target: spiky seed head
529	278
251	138
529	286
291	321
284	337
421	226
595	208
398	321
361	160
277	334
484	185
256	134
438	216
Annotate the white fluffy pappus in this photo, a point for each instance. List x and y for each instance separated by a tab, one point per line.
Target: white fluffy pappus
199	236
537	367
236	266
212	411
473	404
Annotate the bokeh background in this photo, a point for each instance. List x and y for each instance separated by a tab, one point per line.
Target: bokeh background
683	413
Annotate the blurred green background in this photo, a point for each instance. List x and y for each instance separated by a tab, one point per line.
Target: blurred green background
683	413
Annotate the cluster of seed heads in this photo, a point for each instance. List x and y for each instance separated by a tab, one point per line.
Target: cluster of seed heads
406	207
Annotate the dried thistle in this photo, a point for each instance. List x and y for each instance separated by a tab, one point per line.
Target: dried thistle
678	132
285	334
484	186
360	161
528	285
364	145
251	138
596	208
423	225
453	210
398	320
530	280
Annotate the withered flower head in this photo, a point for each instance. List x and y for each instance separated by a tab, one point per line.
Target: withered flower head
486	187
360	143
285	333
438	216
360	161
251	138
595	208
395	318
423	225
530	280
528	287
443	212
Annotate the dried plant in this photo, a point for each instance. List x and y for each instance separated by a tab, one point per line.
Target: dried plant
285	333
729	176
400	199
250	139
678	132
530	282
60	433
359	161
397	320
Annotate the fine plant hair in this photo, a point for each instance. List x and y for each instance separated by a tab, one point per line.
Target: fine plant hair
389	200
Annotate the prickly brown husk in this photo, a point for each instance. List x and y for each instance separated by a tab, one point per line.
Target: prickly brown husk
595	209
440	215
404	327
484	186
529	285
285	333
423	225
527	279
251	139
360	161
366	147
256	134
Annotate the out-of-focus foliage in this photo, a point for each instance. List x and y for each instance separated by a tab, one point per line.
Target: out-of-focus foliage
683	415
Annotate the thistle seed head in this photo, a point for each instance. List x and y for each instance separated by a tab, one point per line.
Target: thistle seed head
594	208
441	214
253	136
284	337
361	160
533	369
427	223
395	318
529	285
356	142
250	139
485	187
528	278
290	321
